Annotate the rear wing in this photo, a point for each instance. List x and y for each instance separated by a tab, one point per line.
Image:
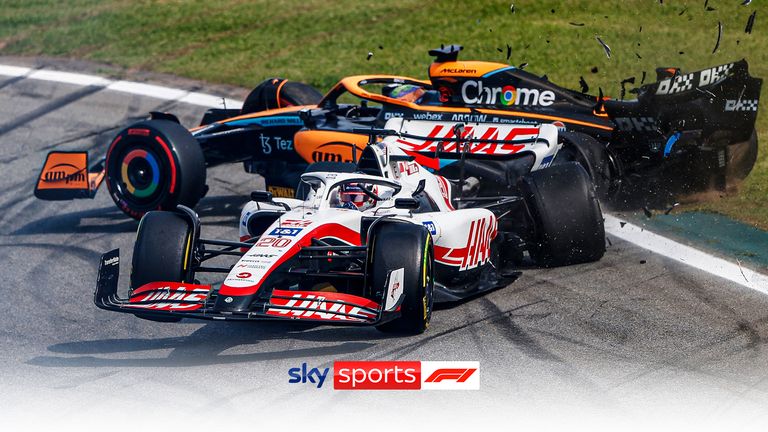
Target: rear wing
718	104
66	176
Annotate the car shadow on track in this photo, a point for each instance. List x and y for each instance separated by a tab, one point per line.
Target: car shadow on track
213	344
219	210
104	220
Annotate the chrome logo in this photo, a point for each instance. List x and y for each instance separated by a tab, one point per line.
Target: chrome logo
137	167
508	95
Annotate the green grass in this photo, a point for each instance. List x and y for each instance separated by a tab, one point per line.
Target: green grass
319	41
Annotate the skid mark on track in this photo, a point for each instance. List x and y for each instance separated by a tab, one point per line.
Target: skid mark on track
48	108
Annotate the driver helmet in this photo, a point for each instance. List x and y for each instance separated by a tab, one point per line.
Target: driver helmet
353	197
406	92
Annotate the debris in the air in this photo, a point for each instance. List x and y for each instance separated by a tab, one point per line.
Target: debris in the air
370	54
643	261
638	56
547	40
607	239
630	80
381	47
750	23
499	49
509	52
527	46
553	11
647	212
512	8
682	11
667	211
681	52
710	9
622	223
737	41
641	29
606	48
706	3
522	65
583	84
642	80
594	69
576	24
490	30
719	33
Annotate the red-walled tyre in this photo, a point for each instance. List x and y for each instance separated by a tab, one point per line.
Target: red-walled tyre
155	165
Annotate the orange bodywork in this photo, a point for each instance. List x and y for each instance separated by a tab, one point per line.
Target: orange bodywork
463	69
65	171
328	146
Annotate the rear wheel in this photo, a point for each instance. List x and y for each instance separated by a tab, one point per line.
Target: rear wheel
340	167
408	247
155	165
566	215
591	155
161	252
279	93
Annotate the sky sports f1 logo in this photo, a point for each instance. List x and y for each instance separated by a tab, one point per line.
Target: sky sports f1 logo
393	375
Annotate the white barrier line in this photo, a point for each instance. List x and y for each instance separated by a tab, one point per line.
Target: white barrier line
685	254
141	89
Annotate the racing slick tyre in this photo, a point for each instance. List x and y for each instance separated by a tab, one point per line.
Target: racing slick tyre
155	165
741	157
279	93
592	155
341	167
409	247
160	252
566	213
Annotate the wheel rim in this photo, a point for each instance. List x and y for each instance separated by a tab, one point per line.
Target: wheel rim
140	179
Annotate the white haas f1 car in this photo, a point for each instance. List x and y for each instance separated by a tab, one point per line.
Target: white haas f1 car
373	244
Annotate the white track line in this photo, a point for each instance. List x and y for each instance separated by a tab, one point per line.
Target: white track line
685	254
628	232
149	90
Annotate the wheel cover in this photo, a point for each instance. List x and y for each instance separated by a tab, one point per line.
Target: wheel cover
140	172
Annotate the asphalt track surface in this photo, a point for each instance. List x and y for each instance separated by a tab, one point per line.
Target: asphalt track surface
634	339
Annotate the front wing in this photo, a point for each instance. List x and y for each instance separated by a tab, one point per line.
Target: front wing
173	299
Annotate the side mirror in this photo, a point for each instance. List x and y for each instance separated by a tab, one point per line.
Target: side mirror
419	188
407	203
261	196
306	117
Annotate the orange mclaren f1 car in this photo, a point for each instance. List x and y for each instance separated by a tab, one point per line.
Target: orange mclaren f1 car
691	130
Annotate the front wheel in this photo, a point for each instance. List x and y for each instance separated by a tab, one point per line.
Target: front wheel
155	165
161	253
406	248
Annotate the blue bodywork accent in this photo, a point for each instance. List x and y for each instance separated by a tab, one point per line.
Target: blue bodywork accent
492	73
268	121
671	142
